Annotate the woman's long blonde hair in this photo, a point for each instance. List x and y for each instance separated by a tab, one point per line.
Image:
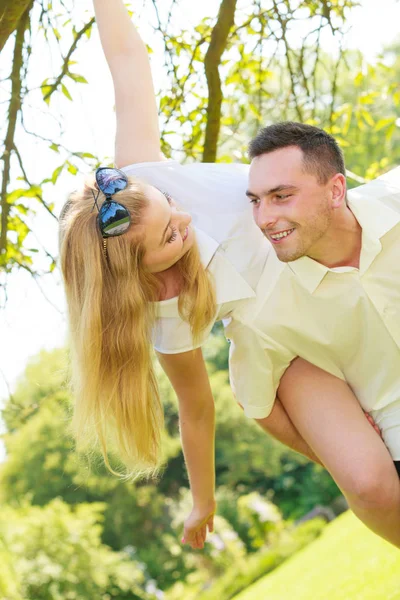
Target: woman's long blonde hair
111	317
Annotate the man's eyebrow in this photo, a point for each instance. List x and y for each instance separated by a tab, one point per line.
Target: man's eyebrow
165	231
278	188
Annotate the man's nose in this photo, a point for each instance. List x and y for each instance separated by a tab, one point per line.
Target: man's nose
266	217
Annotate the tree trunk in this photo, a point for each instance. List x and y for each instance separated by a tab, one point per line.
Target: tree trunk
11	12
219	40
14	108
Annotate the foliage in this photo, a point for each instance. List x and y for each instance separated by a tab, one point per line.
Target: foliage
263	74
243	573
23	189
55	552
347	561
146	517
266	74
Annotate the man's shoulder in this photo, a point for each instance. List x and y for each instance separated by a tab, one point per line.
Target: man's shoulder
384	190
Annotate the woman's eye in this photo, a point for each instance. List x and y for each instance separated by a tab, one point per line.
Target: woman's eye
173	236
168	197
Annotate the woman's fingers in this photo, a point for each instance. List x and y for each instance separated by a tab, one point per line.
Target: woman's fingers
199	540
370	419
210	524
203	533
195	532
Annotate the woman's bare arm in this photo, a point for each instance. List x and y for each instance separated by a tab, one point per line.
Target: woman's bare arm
187	374
138	136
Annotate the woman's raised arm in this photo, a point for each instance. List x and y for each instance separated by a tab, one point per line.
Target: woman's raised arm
138	136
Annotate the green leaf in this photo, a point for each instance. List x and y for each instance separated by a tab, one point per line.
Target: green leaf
390	131
77	78
46	88
54	147
382	123
56	173
85	155
72	169
32	192
22	209
358	79
66	92
367	117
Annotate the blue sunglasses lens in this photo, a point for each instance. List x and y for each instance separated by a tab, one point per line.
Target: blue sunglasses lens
114	219
110	181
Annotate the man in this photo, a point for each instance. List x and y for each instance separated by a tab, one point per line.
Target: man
331	295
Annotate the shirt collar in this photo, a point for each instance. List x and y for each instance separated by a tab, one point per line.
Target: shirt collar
309	272
370	204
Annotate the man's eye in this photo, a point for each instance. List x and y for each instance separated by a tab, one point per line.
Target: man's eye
283	196
254	201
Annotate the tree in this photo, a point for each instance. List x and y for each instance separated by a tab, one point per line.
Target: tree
56	552
19	202
225	75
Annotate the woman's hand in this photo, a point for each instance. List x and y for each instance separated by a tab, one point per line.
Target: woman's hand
196	525
371	421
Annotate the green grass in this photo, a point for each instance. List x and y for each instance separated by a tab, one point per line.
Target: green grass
347	562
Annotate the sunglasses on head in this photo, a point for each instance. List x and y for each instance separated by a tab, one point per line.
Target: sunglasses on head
113	218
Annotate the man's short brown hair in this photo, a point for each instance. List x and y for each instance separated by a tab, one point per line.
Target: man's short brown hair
322	155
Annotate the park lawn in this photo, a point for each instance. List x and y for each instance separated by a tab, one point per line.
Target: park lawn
347	562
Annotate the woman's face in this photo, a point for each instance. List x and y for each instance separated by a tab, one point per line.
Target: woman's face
167	234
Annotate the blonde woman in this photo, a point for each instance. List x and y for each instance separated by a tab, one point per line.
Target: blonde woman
152	254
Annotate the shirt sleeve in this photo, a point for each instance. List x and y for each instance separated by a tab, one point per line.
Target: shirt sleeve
256	365
172	335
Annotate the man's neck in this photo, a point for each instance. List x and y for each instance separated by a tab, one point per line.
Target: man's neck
341	244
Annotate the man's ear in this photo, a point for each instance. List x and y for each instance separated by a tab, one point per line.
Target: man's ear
338	190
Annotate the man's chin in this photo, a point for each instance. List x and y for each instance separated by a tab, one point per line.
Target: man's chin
287	256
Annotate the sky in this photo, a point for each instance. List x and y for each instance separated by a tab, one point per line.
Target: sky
29	322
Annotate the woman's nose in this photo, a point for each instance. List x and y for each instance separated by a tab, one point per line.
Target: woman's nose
182	219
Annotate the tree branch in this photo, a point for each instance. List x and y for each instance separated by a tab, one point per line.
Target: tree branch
14	108
10	15
219	39
64	69
38	196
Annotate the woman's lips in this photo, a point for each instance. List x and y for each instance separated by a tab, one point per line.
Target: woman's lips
185	234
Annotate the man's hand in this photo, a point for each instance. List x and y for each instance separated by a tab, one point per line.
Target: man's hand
196	525
372	422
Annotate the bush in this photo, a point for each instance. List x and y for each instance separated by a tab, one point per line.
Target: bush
246	571
55	553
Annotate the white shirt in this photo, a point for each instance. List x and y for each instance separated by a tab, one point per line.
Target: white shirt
231	246
344	320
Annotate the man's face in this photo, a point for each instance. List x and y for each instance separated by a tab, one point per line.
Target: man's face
291	207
